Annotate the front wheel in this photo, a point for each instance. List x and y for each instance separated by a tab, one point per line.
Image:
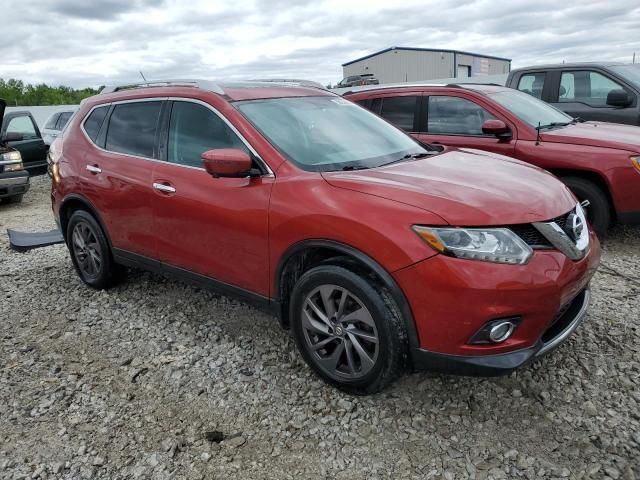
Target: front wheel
599	209
348	329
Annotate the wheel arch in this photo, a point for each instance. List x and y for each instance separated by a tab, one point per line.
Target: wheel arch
306	254
599	180
73	202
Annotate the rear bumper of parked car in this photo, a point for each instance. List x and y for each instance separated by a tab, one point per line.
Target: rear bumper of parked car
14	183
452	299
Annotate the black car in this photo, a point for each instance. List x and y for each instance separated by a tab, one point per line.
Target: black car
14	179
356	80
606	92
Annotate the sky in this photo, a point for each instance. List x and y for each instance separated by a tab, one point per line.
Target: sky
95	42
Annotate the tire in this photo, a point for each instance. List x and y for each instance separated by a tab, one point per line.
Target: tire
348	360
90	252
14	199
599	209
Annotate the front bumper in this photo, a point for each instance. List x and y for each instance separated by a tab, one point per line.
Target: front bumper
14	183
493	365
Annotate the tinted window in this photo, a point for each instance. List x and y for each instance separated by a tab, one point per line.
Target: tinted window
51	123
532	83
94	122
22	125
454	115
132	128
399	111
63	119
193	130
587	87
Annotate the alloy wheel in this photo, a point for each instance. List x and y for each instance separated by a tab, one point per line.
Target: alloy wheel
340	332
86	250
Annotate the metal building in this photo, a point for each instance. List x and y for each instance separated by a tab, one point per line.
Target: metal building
403	64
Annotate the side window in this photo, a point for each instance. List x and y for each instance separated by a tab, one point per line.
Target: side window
586	87
63	119
532	83
455	116
22	125
400	111
93	123
194	129
132	128
51	123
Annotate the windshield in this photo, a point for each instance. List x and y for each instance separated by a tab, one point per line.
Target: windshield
329	133
531	110
630	72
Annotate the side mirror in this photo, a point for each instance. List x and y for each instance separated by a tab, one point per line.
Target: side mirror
496	127
12	137
227	162
619	98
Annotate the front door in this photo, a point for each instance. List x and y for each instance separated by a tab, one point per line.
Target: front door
457	122
217	227
30	145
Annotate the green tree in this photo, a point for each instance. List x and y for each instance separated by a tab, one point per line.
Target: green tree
17	93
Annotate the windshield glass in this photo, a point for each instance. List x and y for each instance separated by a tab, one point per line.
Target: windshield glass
531	110
630	72
328	133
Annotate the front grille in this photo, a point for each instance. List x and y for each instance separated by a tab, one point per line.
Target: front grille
533	237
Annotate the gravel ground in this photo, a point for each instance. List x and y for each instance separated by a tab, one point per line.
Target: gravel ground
128	383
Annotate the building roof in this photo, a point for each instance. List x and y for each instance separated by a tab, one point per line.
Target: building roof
425	50
570	65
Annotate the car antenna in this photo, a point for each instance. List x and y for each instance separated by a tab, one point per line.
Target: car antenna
538	135
142	75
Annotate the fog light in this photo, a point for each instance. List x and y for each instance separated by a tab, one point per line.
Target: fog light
496	331
501	331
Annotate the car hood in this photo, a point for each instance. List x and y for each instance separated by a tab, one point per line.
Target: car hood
465	187
597	134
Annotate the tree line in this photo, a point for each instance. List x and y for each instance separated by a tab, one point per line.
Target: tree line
17	93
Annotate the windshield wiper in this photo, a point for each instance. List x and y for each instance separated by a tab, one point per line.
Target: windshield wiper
554	124
411	156
349	168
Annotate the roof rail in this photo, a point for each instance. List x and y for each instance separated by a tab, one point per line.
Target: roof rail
462	84
203	84
293	81
360	88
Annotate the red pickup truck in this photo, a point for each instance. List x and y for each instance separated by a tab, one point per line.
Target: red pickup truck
599	161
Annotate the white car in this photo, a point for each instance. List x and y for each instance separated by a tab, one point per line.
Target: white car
55	124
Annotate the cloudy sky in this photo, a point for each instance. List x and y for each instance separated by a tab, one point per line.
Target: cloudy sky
94	42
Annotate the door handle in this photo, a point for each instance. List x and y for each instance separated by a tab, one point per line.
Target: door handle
164	188
94	169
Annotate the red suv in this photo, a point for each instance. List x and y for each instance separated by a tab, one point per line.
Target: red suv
599	161
381	254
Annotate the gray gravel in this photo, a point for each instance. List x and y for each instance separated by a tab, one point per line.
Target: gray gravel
128	383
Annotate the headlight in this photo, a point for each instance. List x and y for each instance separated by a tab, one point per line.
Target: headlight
499	245
12	161
636	162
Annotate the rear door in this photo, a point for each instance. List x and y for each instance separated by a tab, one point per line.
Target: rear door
31	146
216	227
116	176
400	109
583	93
456	121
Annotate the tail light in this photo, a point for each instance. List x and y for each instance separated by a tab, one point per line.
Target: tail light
53	159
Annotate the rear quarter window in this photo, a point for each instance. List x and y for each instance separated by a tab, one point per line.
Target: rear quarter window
94	121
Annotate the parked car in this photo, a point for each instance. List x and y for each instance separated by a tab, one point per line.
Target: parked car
605	92
380	253
304	83
14	179
354	80
20	132
600	162
54	125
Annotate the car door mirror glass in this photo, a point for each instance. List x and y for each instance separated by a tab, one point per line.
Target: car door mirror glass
227	162
619	98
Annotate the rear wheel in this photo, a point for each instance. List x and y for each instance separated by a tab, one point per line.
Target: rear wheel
348	329
90	251
599	209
